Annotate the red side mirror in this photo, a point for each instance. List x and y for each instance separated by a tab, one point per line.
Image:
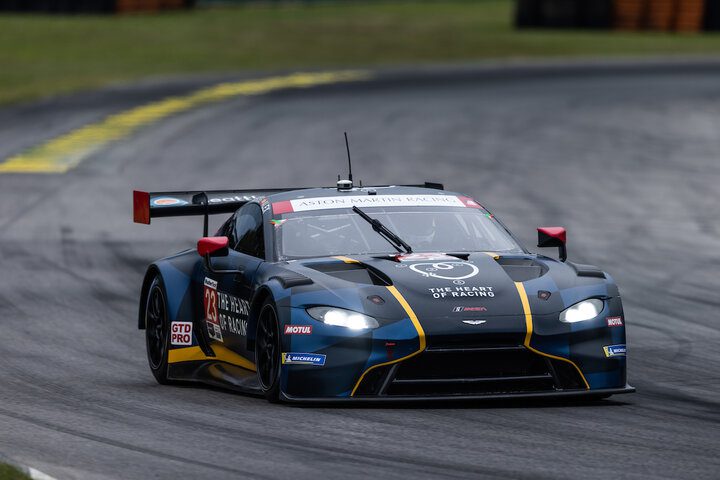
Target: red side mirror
213	246
553	237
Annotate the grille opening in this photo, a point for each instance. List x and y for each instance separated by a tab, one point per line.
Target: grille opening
373	380
567	375
472	371
472	363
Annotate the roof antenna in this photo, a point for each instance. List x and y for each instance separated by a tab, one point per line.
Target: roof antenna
347	146
346	184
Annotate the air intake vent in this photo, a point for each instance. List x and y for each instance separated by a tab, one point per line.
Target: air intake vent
522	269
353	272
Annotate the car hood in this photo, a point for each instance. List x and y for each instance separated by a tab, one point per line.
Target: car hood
443	285
438	285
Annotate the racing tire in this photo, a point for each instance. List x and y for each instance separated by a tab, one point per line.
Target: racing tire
267	351
157	331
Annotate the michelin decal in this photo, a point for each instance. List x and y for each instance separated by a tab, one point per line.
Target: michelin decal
303	359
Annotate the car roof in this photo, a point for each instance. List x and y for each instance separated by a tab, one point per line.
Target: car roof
368	190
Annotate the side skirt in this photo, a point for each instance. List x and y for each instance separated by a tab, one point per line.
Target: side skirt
217	374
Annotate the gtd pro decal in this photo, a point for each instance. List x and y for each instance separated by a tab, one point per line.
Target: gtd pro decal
446	270
181	333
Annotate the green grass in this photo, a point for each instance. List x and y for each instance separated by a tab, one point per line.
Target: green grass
42	55
11	473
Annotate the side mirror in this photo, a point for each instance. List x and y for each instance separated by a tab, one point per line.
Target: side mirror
553	237
213	246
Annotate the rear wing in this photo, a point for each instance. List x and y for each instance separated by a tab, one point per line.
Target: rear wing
149	205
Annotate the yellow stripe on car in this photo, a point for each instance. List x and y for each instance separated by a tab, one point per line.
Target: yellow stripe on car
222	354
67	151
416	323
529	331
346	259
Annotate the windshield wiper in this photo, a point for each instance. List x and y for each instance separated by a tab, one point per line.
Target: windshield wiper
384	232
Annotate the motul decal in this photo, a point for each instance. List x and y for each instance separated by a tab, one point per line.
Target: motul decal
298	329
614	321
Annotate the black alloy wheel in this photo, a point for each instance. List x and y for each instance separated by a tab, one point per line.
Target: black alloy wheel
157	330
267	351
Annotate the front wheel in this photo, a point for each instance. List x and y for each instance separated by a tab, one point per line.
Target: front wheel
157	331
267	351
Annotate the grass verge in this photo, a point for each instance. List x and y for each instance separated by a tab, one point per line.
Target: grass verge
8	472
43	55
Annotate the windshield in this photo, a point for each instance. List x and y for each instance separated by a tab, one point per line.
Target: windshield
426	229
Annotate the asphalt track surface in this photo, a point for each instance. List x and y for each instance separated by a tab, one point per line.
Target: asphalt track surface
626	158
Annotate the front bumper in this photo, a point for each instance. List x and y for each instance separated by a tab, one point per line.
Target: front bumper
387	364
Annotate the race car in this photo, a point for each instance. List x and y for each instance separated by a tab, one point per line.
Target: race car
383	293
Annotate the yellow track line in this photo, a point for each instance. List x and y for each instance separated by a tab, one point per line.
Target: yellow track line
67	151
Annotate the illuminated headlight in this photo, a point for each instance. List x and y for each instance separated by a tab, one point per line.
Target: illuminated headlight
342	318
585	310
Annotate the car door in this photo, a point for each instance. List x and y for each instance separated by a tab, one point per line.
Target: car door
227	295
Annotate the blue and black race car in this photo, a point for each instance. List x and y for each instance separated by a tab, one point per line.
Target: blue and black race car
375	293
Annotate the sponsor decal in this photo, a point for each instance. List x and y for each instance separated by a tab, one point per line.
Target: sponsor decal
224	313
181	333
233	314
469	309
277	223
461	291
369	201
428	257
615	350
303	359
474	322
210	300
168	202
446	270
298	329
614	321
264	204
232	199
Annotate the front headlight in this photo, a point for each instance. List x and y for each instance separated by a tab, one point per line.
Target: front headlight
585	310
342	318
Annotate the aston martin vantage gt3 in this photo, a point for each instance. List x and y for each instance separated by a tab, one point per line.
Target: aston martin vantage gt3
384	293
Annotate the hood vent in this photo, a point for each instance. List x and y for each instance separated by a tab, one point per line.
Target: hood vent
522	269
353	272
